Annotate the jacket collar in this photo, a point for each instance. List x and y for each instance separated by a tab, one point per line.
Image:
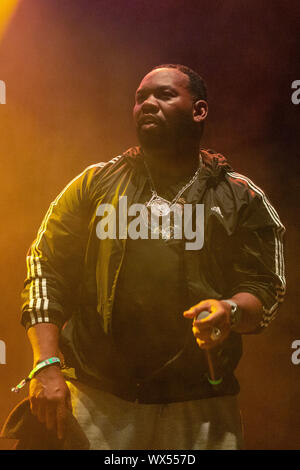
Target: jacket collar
215	164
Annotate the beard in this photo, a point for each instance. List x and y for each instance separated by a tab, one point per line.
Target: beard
152	138
167	135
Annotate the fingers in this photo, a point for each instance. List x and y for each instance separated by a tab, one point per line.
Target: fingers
61	417
50	416
212	329
37	406
206	325
202	344
33	405
208	340
210	305
69	402
41	411
216	316
50	405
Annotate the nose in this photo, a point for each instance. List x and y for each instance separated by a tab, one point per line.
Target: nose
149	105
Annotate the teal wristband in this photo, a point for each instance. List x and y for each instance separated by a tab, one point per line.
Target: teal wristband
41	365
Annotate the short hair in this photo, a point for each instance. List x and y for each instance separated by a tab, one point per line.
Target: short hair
197	85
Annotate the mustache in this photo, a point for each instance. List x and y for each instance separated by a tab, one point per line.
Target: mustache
148	118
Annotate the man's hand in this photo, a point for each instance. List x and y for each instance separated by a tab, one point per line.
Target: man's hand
50	399
217	322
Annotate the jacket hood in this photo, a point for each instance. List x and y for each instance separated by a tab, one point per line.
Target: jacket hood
216	165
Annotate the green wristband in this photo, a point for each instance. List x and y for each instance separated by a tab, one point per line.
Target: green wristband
215	382
41	365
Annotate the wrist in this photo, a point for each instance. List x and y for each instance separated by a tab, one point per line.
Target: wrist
45	364
48	373
234	313
44	356
41	366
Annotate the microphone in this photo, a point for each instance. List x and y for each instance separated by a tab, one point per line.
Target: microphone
214	376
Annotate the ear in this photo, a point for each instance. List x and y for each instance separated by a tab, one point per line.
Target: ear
200	110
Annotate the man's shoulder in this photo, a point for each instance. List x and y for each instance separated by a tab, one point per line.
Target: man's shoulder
130	156
226	179
96	167
242	185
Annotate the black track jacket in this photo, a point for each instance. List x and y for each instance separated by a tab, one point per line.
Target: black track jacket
72	275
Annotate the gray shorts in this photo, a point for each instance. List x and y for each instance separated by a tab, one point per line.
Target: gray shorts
111	423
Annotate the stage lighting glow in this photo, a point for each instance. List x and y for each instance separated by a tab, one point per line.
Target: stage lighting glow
7	9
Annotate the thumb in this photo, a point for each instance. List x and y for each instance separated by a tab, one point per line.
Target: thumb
191	313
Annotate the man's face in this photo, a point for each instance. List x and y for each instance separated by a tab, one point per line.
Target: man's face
163	111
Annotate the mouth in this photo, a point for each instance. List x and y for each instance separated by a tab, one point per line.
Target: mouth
148	120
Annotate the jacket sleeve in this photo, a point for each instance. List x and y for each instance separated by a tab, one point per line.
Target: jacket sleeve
258	258
55	258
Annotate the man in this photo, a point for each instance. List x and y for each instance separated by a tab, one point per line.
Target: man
124	309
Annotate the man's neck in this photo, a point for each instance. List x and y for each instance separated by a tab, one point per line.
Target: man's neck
171	165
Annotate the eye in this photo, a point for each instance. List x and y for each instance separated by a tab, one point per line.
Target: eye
166	94
139	98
